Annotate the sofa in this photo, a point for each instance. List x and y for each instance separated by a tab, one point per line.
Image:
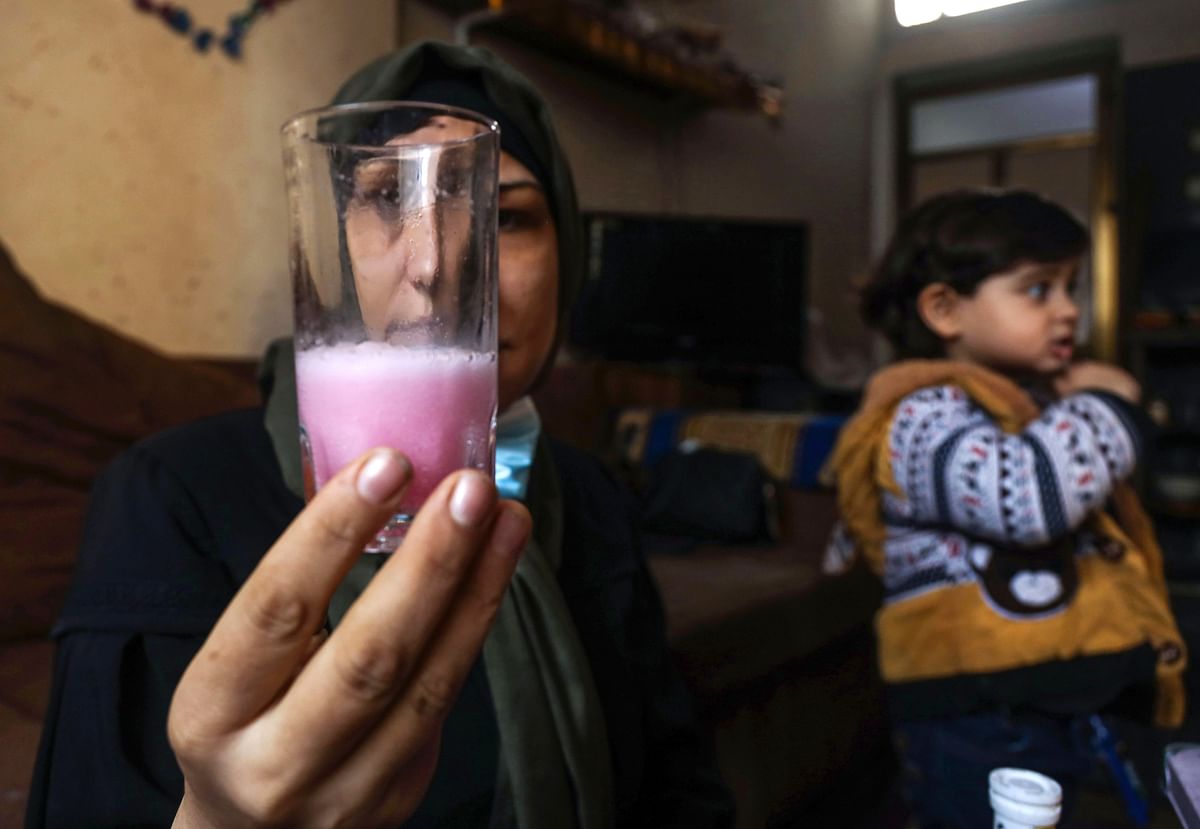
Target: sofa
73	394
778	655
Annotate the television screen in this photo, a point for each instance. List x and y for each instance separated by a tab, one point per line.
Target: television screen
717	292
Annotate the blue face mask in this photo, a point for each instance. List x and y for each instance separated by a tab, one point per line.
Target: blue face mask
517	433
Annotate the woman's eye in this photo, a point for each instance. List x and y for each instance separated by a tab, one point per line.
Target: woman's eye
511	219
1039	291
384	200
451	182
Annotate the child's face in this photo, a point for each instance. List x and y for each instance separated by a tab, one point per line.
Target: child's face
1020	322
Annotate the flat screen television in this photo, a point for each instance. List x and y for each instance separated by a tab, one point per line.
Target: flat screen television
717	292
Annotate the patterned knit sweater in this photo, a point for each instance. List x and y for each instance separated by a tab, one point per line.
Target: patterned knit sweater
1005	580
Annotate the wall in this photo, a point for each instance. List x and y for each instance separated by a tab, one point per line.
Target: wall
634	151
830	162
141	181
816	166
1150	31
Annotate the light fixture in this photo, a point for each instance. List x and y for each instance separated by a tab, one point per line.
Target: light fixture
953	8
916	12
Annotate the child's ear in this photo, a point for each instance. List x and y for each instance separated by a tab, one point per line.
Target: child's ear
938	304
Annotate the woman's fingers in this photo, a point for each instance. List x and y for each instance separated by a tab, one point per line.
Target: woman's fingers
371	656
418	709
264	634
314	644
265	726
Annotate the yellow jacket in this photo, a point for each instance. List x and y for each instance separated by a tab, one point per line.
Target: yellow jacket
1120	603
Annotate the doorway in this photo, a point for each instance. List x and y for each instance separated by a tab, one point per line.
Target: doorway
1040	121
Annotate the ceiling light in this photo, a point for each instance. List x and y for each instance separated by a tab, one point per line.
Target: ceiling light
953	8
916	12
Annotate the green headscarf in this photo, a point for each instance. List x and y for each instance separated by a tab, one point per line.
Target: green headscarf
555	768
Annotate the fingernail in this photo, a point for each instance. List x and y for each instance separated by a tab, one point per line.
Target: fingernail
382	477
510	534
471	500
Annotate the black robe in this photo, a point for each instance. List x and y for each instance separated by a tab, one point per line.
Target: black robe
176	525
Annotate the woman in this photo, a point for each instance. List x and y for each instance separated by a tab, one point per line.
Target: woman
445	685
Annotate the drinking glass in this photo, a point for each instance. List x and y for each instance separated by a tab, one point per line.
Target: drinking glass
393	261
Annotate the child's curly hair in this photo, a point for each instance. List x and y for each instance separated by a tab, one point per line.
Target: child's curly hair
960	238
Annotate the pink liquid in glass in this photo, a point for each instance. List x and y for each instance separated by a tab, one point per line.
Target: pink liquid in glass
437	406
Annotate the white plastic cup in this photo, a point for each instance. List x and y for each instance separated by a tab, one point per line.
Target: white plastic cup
1023	799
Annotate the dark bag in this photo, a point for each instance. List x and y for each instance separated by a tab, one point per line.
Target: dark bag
710	495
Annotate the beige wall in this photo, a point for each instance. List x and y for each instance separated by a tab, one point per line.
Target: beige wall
141	182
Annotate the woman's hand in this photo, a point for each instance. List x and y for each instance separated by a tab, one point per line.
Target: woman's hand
274	727
1094	375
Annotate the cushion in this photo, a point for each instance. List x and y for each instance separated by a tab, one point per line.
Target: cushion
791	446
75	393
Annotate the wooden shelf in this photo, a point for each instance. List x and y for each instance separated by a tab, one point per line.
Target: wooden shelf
596	38
1166	336
1174	509
1161	326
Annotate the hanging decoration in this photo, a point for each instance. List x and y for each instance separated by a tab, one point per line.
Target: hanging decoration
180	20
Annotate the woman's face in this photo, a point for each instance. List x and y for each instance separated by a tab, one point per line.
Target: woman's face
528	261
404	293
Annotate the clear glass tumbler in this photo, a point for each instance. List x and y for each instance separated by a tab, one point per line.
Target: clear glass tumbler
393	261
